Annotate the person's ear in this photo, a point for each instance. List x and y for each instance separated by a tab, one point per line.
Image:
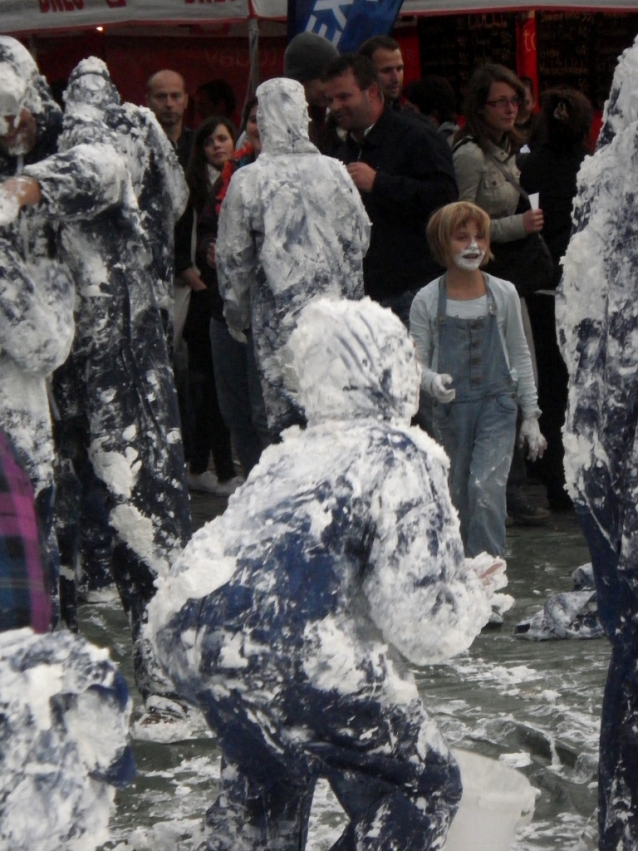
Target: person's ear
374	92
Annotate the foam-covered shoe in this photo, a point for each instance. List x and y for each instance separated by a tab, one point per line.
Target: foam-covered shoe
229	487
205	482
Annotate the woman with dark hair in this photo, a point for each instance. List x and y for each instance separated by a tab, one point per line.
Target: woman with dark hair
488	141
551	168
484	156
248	152
213	145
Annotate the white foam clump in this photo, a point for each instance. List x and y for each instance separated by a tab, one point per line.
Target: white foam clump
9	208
118	470
621	109
595	303
59	726
520	759
138	531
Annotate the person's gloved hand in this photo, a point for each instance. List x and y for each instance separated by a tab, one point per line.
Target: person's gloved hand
439	390
237	334
9	206
530	434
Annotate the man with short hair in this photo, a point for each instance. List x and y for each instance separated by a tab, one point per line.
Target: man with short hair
404	172
385	54
166	96
305	60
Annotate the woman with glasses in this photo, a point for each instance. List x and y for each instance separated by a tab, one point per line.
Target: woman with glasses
488	143
484	156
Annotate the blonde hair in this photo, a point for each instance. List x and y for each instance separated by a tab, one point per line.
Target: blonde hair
448	219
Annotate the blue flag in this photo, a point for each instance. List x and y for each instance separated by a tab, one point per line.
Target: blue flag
344	23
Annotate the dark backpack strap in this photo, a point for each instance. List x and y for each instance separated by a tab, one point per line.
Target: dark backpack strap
462	142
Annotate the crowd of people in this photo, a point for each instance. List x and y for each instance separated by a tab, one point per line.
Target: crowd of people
355	279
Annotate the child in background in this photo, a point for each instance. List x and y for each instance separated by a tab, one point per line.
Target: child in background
476	365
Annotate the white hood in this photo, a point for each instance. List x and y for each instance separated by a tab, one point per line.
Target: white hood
351	360
282	118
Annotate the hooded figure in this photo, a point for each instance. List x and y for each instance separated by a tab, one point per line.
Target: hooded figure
597	320
36	291
64	717
118	348
277	617
292	227
158	179
117	387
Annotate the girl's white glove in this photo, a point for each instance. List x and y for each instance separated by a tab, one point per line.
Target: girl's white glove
530	434
438	389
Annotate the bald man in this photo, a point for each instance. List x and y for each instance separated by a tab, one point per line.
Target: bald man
166	96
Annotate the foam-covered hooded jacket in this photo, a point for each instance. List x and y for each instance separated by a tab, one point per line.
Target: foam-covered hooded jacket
119	376
292	226
64	718
597	322
343	539
36	291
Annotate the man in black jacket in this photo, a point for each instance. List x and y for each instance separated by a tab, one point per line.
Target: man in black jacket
387	59
403	171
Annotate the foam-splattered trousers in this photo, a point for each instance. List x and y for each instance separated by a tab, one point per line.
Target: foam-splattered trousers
478	428
398	792
617	609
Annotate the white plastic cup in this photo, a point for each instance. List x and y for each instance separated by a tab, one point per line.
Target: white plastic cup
496	801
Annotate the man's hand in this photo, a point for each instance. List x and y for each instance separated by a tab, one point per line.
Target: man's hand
192	279
362	176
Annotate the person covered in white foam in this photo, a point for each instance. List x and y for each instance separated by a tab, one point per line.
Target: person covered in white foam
292	227
469	336
277	618
36	289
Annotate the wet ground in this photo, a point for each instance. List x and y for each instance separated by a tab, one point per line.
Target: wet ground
535	705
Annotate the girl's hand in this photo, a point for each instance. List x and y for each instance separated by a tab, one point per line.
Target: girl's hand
530	434
439	388
533	221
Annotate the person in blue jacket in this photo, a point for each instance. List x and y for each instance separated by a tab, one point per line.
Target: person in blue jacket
286	618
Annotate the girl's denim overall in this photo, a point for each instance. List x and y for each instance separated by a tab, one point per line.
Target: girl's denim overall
478	428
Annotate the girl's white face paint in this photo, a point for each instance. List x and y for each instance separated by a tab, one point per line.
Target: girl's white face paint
470	258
